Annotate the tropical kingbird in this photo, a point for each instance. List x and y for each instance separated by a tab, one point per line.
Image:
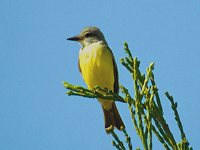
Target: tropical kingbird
98	67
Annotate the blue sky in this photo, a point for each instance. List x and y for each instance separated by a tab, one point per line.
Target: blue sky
35	58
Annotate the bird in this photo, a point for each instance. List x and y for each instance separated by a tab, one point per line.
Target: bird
98	67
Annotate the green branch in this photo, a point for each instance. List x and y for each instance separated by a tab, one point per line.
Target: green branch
145	108
184	143
119	145
81	91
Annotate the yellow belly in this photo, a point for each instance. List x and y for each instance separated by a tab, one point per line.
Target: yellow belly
96	65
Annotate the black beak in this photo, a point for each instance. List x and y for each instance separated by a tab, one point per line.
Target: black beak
75	38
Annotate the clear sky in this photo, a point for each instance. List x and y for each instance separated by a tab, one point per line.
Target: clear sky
35	58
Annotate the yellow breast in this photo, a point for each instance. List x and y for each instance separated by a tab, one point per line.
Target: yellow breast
96	64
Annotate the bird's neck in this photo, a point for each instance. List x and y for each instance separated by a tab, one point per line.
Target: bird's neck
89	41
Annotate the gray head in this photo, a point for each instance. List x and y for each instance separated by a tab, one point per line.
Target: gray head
88	36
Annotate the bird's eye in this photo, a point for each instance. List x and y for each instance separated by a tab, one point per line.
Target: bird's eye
88	34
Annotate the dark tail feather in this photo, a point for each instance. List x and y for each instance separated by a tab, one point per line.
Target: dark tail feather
117	118
112	117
